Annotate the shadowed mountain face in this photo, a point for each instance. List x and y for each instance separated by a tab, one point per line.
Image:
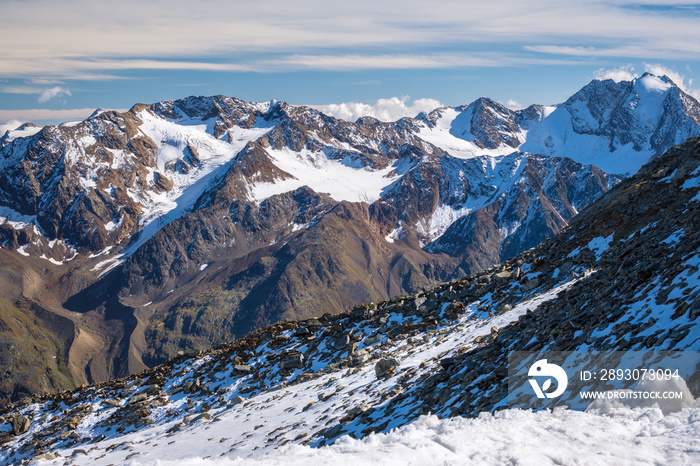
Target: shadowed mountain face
622	276
131	236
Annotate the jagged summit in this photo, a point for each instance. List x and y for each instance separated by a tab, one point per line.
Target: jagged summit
616	126
622	276
639	119
649	78
24	130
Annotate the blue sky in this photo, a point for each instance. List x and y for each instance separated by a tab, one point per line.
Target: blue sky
60	60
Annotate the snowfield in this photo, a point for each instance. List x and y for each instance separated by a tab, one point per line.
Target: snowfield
172	138
451	133
340	179
517	437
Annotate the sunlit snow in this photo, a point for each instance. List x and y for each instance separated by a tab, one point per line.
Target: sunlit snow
172	138
341	181
443	136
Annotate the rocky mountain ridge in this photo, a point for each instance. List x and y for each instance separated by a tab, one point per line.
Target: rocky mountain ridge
616	126
623	275
184	224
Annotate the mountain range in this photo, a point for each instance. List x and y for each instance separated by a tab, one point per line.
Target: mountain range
400	375
129	238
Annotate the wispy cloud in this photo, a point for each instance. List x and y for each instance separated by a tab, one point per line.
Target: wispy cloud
52	93
81	39
148	64
10	125
20	90
514	104
657	50
99	69
386	61
679	79
667	9
45	94
622	73
96	69
390	109
44	81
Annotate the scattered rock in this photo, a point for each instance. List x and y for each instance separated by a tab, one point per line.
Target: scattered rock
138	398
373	339
176	428
78	452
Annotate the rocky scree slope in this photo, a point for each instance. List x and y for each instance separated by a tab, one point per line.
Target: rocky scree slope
623	275
335	255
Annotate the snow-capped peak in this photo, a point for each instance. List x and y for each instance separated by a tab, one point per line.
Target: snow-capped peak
652	83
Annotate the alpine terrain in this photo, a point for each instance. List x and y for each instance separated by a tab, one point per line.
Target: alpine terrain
131	238
392	381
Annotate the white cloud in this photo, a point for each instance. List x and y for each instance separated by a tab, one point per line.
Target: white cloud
20	90
514	104
622	73
44	81
45	94
390	109
52	93
384	61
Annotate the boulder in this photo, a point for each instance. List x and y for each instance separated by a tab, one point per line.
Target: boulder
242	369
385	367
293	361
20	424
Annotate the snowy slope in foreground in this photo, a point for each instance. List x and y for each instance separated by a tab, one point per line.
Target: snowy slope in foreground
247	415
639	437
